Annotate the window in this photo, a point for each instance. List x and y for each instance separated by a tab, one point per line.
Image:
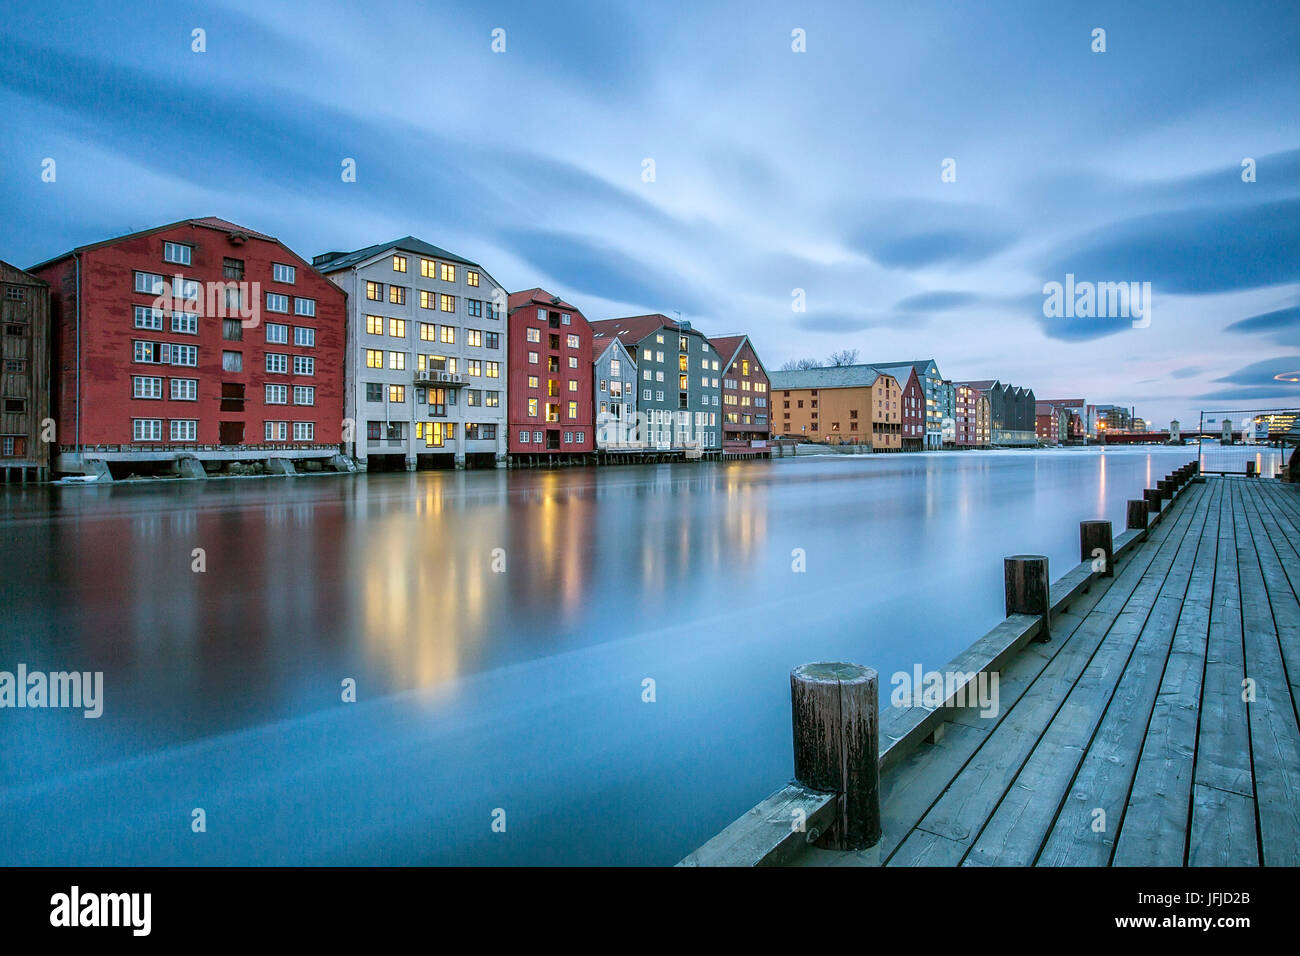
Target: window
427	299
474	308
147	318
304	431
397	328
17	294
428	268
277	364
573	361
523	436
277	334
573	410
304	365
447	303
471	277
537	438
492	340
397	394
146	386
532	358
304	395
304	337
283	273
492	369
492	399
177	252
374	325
473	396
186	355
571	340
185	389
573	385
232	330
232	361
477	432
493	311
473	337
645	394
277	431
399	263
185	429
533	335
146	429
428	332
532	408
448	274
475	367
275	302
397	294
374	392
150	284
447	334
277	394
397	360
375	291
304	306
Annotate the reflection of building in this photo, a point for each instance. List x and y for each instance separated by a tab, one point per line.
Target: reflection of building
680	384
614	383
25	310
948	413
550	376
841	405
745	413
199	339
427	355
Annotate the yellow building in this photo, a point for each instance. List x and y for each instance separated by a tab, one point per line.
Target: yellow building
840	405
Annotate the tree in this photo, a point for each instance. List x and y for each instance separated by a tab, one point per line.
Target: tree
798	365
844	357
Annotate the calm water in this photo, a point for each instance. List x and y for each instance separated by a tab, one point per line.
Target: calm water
478	690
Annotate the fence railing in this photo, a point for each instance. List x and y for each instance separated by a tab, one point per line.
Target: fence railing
1247	441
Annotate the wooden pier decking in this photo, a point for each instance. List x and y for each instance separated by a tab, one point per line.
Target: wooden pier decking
1157	727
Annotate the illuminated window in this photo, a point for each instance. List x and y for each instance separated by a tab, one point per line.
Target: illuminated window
375	324
374	358
399	263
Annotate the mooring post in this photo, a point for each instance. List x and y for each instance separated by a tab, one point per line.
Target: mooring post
1250	469
1028	589
1152	498
1137	515
836	715
1166	488
1096	536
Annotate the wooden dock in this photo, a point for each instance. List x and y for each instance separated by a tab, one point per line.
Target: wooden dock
1157	727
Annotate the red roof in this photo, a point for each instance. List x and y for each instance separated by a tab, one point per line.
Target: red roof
207	222
541	297
727	346
632	328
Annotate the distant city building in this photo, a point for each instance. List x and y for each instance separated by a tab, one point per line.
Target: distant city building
25	404
680	384
426	374
927	373
1113	418
847	404
1052	422
746	422
966	420
198	340
550	388
913	404
614	382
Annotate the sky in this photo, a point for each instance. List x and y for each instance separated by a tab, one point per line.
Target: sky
906	184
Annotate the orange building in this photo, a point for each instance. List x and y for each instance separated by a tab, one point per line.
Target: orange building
841	405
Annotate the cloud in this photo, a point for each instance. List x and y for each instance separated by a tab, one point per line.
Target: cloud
1263	373
937	301
1187	372
1281	326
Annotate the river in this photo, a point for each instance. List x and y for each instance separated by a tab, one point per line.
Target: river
505	631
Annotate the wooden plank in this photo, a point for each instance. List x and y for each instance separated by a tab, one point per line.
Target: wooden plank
1223	825
960	813
766	835
928	849
1274	732
1153	828
1280	563
1137	645
1222	744
1079	836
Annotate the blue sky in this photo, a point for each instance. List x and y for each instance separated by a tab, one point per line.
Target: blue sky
774	170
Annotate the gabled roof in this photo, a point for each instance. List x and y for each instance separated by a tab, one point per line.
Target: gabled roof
633	328
919	364
983	384
1065	402
206	222
832	376
600	344
541	297
330	262
15	276
902	373
729	346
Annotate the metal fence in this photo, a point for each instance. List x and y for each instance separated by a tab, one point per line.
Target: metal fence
1256	441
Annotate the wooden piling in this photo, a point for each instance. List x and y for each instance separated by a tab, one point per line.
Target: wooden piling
1137	515
835	712
1096	536
1250	469
1028	589
1152	498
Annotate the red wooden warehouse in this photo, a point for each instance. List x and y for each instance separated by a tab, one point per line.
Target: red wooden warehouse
549	389
198	339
